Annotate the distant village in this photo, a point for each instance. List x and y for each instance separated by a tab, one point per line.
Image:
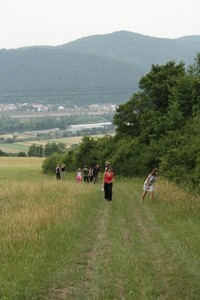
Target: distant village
32	110
38	107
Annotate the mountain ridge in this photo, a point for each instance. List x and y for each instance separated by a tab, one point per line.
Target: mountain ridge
94	69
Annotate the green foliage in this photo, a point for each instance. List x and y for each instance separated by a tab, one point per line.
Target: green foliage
86	153
69	160
146	113
181	160
127	158
51	148
163	121
36	150
158	84
127	117
47	150
194	69
21	154
106	148
3	153
50	163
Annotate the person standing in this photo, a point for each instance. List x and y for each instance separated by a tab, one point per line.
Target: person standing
63	166
107	165
96	173
79	175
90	174
108	179
58	172
149	184
85	174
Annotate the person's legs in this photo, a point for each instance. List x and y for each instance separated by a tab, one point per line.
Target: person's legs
143	196
110	191
106	191
151	196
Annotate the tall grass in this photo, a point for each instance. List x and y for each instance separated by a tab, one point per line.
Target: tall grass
61	240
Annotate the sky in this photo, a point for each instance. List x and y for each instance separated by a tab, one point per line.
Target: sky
57	22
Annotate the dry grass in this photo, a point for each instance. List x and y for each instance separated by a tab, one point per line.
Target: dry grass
21	162
28	208
173	194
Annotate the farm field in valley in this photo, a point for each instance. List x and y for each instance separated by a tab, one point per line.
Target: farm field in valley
24	146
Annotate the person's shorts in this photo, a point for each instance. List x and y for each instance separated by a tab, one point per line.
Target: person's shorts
148	188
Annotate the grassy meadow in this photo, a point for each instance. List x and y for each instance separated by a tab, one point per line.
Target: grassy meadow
61	240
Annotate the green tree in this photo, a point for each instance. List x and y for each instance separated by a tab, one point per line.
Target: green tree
21	154
127	117
50	163
194	69
50	148
158	85
3	153
87	152
36	150
144	114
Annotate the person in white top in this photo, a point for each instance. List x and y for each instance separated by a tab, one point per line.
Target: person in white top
79	175
149	184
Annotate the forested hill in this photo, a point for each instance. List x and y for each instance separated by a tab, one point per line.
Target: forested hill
95	69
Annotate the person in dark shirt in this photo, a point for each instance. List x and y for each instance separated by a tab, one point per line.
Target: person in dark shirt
85	174
96	173
58	172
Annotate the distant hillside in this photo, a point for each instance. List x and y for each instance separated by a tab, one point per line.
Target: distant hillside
95	69
138	49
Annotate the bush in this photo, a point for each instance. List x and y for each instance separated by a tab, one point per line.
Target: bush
51	162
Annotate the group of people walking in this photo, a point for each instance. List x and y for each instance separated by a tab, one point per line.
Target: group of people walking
93	175
89	175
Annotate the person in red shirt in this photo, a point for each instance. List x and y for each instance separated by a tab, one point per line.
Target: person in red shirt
108	179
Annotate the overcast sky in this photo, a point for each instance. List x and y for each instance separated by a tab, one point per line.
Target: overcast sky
56	22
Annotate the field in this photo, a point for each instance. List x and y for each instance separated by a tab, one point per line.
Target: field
24	146
61	240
